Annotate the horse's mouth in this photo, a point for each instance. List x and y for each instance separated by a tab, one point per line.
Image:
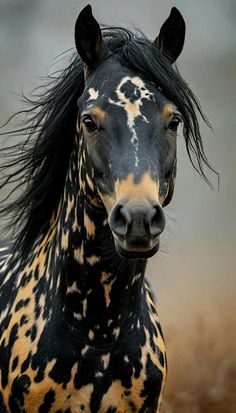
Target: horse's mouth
136	251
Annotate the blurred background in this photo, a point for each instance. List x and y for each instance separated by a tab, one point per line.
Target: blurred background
193	275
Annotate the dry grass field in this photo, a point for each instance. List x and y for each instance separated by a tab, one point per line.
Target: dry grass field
202	368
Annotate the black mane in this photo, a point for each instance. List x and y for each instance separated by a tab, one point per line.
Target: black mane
38	164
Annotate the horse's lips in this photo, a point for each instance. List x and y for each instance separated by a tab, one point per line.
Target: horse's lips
136	252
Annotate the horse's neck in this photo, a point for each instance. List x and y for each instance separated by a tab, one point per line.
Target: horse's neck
96	287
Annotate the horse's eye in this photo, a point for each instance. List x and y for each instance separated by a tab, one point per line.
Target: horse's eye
174	123
89	123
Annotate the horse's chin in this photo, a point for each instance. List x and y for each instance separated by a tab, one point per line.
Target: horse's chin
134	253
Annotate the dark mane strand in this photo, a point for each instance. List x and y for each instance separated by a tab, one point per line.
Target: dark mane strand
38	164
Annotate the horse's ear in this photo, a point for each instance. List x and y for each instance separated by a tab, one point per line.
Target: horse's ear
88	37
170	40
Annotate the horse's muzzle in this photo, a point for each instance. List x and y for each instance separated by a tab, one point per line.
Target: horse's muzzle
137	226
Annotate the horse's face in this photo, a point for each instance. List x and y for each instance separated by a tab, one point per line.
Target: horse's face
129	131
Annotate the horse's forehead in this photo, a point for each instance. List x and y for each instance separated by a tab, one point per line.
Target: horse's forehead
126	87
128	92
132	88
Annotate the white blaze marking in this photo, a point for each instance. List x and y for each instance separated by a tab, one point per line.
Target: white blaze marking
132	108
93	94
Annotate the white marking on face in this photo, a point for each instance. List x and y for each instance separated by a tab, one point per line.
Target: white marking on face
132	106
93	94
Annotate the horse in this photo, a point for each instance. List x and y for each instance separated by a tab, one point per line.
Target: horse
79	331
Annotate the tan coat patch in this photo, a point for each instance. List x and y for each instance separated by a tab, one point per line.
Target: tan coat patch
146	189
89	225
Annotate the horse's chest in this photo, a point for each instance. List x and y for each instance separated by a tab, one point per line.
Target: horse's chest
114	399
120	381
103	394
55	370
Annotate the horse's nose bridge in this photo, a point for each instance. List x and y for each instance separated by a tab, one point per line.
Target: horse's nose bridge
144	189
137	211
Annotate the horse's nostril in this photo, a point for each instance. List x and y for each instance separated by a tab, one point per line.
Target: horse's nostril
157	222
119	220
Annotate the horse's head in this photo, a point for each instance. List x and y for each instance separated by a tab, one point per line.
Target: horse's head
129	134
